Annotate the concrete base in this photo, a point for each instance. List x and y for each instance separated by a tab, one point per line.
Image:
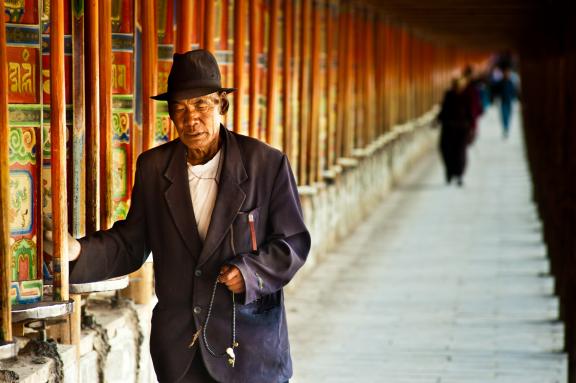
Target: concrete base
333	209
114	349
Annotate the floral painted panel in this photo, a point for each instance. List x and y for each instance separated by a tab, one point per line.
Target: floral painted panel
21	213
24	213
121	164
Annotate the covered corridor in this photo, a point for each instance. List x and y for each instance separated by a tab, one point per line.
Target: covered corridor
439	284
406	279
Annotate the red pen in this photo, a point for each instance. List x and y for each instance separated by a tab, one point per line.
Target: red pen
252	233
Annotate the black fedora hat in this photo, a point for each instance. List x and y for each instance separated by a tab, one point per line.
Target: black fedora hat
193	74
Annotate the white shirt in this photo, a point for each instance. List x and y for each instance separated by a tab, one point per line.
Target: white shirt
203	181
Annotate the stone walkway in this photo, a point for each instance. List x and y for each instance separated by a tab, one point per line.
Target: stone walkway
441	284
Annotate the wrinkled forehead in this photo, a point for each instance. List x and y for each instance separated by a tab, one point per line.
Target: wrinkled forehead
195	100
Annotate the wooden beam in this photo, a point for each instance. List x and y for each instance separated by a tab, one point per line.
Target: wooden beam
272	91
5	268
105	46
58	151
92	117
209	19
287	78
149	72
185	24
239	61
255	38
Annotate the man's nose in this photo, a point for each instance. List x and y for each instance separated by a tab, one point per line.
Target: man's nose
191	116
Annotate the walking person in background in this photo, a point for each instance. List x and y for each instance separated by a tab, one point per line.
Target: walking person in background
456	118
505	90
472	91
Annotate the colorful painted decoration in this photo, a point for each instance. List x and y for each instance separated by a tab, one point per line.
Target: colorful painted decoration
122	71
165	23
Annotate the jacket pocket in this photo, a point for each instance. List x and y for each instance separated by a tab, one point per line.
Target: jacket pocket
245	232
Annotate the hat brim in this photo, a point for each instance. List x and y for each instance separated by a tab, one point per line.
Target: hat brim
189	93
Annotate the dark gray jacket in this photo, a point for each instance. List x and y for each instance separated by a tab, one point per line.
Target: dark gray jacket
255	179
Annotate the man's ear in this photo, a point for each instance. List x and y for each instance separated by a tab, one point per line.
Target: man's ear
224	103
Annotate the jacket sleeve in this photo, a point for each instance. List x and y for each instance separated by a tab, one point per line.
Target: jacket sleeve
285	250
119	250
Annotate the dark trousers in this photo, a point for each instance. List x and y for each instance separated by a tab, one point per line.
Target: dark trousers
453	146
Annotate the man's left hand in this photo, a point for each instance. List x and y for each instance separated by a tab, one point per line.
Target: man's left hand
232	278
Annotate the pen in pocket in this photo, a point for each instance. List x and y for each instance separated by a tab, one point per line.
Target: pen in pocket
252	233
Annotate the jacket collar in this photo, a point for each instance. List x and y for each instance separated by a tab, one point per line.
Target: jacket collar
228	202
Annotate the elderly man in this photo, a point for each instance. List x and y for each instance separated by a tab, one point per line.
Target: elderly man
221	214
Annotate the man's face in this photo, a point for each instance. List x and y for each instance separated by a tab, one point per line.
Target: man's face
197	121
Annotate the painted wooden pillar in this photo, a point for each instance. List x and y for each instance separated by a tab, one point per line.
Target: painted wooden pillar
272	90
201	9
239	61
392	75
304	93
359	74
342	108
58	146
92	116
349	99
296	74
380	112
398	73
105	47
331	40
255	37
288	42
209	20
185	24
78	204
373	85
140	291
369	80
403	69
315	95
5	264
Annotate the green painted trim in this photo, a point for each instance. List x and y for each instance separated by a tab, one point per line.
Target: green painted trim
78	8
20	115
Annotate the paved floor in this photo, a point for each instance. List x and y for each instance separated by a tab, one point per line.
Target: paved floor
439	285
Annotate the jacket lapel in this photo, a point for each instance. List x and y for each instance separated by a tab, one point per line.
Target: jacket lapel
178	199
230	196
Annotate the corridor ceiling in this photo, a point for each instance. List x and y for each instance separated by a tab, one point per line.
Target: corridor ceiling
484	24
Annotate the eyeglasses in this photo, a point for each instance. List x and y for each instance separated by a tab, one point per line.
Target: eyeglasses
200	105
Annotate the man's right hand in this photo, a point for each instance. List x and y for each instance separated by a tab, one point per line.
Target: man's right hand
73	244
